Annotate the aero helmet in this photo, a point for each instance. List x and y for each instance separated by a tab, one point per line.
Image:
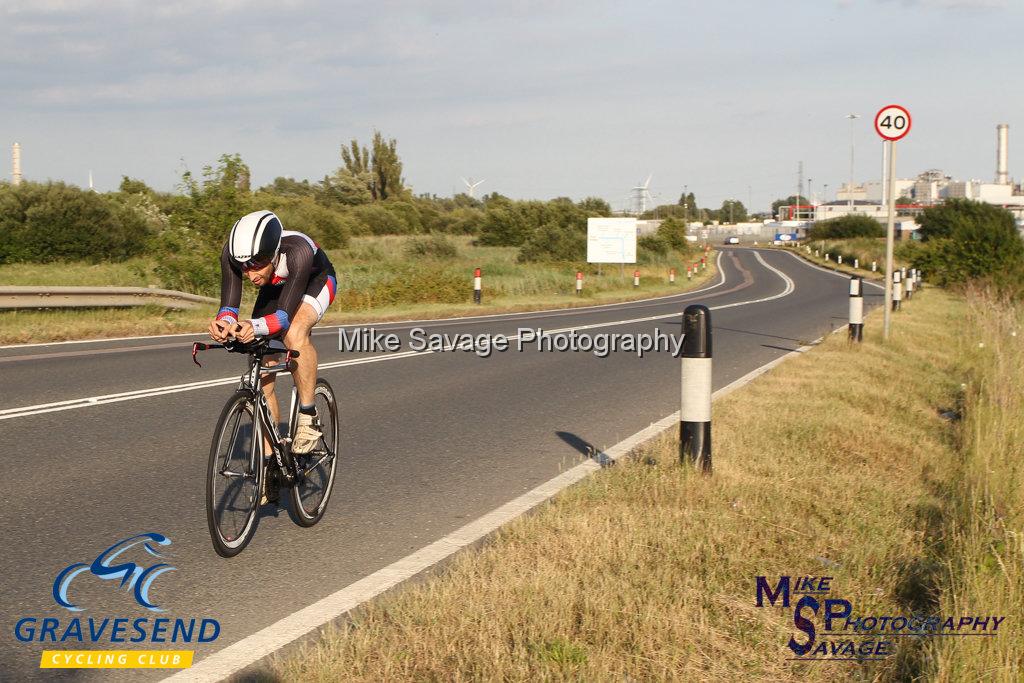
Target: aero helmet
255	239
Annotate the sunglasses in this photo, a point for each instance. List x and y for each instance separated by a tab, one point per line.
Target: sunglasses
255	265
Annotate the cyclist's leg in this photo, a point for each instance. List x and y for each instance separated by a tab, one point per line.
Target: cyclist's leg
298	339
318	297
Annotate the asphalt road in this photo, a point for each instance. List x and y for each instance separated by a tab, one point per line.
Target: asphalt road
430	442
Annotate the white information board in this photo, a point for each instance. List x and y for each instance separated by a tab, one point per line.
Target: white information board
611	240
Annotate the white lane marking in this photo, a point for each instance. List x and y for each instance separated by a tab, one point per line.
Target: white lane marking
71	404
845	276
570	309
9	413
251	649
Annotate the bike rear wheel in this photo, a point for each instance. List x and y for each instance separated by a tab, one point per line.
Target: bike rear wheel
315	470
234	476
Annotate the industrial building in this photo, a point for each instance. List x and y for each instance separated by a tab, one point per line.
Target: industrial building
928	188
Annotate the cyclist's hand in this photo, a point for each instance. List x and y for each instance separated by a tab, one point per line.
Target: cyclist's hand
219	330
243	332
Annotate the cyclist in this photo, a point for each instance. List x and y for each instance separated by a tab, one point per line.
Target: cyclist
296	285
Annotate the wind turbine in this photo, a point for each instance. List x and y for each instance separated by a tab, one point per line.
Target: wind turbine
471	185
641	193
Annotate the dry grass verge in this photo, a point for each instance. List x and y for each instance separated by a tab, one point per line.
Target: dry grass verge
647	572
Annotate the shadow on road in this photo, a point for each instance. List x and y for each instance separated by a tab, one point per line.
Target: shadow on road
586	448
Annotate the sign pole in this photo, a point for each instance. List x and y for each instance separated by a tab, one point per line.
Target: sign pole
892	123
890	232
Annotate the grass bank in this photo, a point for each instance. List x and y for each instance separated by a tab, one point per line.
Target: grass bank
647	572
380	278
863	250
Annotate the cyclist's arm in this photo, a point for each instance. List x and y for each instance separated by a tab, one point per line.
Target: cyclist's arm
300	265
230	287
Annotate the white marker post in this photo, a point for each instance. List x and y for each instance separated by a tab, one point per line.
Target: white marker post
892	123
671	276
636	278
856	310
579	282
695	411
477	293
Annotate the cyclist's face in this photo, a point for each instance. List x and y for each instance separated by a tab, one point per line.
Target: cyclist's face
260	276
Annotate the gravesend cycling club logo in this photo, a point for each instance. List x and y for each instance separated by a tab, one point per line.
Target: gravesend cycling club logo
130	566
830	630
138	578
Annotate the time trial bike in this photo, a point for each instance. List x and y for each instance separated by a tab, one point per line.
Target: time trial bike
251	459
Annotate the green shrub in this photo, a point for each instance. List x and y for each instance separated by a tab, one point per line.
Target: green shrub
329	228
651	244
432	246
846	227
375	219
57	222
186	261
554	242
407	284
965	240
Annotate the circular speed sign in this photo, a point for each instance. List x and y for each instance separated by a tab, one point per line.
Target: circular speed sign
892	122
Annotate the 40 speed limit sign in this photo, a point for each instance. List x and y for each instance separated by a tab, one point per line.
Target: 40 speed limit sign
892	122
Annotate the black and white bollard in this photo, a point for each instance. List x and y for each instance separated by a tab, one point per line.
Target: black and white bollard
579	282
856	264
911	285
856	309
840	260
826	256
897	290
695	413
636	278
874	266
477	293
671	276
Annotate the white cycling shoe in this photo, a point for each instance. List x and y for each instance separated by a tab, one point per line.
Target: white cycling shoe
307	434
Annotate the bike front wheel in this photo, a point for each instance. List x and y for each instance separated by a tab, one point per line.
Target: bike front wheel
315	470
234	476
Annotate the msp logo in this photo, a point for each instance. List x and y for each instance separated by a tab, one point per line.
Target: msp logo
128	563
136	577
831	630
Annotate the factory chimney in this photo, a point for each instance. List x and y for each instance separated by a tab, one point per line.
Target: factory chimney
1002	149
16	164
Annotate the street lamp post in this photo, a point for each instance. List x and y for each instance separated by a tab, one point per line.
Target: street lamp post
849	187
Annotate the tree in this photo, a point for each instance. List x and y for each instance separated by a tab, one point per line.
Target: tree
966	240
387	168
133	186
378	170
595	206
733	211
216	201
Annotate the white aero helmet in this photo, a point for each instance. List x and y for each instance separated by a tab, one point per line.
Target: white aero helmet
255	239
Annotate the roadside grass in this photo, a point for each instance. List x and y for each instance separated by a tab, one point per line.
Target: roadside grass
647	572
984	573
379	278
864	249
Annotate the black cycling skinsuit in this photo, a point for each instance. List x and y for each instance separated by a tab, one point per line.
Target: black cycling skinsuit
302	272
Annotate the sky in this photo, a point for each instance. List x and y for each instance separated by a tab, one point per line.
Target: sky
539	99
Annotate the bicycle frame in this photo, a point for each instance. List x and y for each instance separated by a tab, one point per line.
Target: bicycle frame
265	425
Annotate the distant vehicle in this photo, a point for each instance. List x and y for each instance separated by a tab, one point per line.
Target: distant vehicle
732	240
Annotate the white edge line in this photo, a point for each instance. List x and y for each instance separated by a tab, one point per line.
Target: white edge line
255	647
202	333
837	273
